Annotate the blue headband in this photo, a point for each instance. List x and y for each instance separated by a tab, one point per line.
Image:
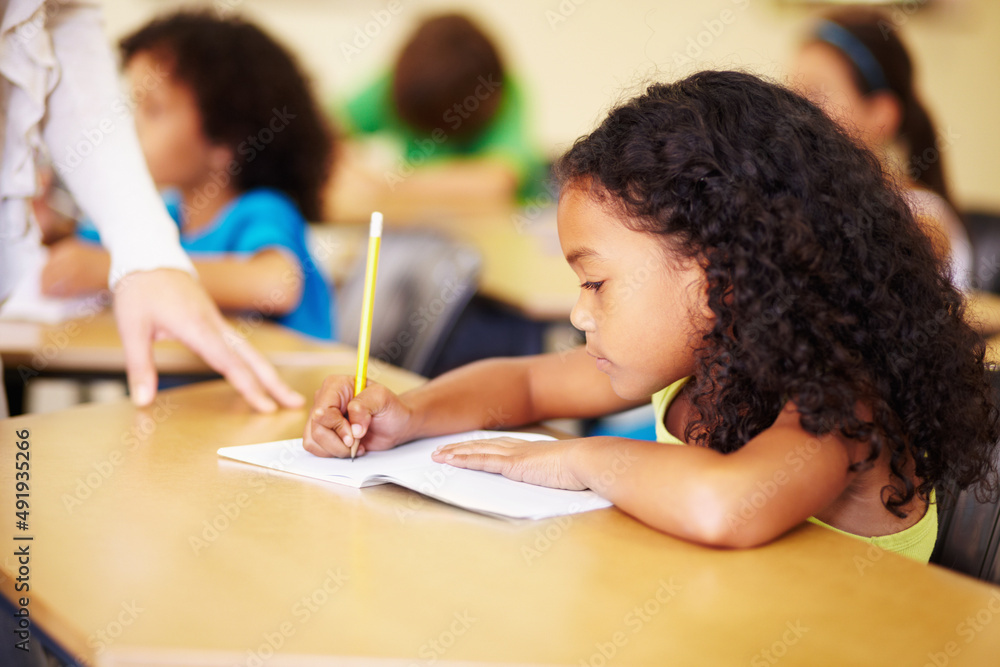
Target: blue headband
852	47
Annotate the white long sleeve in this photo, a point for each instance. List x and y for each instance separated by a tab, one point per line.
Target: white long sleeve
90	133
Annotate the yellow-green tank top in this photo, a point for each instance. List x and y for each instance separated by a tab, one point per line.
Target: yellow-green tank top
916	542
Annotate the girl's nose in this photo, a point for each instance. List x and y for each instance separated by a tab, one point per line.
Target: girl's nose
580	317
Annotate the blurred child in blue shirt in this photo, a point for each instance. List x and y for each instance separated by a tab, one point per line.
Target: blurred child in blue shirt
230	129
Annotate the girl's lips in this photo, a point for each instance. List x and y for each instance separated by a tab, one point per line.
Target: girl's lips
602	363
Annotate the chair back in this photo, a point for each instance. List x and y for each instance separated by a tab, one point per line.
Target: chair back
425	280
984	235
969	530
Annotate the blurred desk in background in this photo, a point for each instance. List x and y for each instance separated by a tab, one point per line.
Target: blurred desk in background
92	345
523	265
54	366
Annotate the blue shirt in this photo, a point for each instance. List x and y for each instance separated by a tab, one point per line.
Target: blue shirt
257	220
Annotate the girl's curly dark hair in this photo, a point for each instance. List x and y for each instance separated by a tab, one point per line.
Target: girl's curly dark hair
252	97
825	290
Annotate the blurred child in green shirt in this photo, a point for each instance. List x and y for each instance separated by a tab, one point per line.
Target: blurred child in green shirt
457	117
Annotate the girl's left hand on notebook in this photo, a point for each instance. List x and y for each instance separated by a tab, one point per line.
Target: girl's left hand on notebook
541	463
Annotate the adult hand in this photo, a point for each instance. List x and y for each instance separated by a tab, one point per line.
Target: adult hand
167	303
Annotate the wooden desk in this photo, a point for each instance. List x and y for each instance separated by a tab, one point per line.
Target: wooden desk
993	349
93	345
351	195
523	265
142	532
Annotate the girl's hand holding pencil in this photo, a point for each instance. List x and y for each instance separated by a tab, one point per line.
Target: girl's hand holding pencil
374	420
377	419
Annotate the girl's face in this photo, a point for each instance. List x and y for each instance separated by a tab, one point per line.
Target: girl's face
169	125
640	307
823	75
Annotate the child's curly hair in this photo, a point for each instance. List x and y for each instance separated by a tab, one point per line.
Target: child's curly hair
242	81
824	288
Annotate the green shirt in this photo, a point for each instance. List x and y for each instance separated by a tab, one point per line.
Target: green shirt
505	136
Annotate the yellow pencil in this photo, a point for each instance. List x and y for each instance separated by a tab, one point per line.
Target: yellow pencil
367	307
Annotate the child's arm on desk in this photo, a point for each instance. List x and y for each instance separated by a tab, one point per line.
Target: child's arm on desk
473	178
494	393
75	267
692	492
268	281
358	185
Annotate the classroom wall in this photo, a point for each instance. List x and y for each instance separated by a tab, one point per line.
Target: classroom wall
577	56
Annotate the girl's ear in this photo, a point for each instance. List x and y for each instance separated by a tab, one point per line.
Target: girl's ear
884	116
703	307
706	311
220	157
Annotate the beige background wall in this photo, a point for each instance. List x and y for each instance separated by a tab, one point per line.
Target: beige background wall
577	56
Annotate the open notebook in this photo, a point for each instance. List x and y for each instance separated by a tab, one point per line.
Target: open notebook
410	465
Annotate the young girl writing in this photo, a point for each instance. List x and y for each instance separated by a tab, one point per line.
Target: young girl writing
229	126
748	265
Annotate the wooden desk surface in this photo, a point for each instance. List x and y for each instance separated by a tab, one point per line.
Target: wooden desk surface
524	268
523	265
150	549
993	349
93	345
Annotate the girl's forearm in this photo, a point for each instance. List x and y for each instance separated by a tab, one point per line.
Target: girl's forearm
506	393
491	394
749	497
672	488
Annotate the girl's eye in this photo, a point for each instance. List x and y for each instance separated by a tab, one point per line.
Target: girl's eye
592	285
